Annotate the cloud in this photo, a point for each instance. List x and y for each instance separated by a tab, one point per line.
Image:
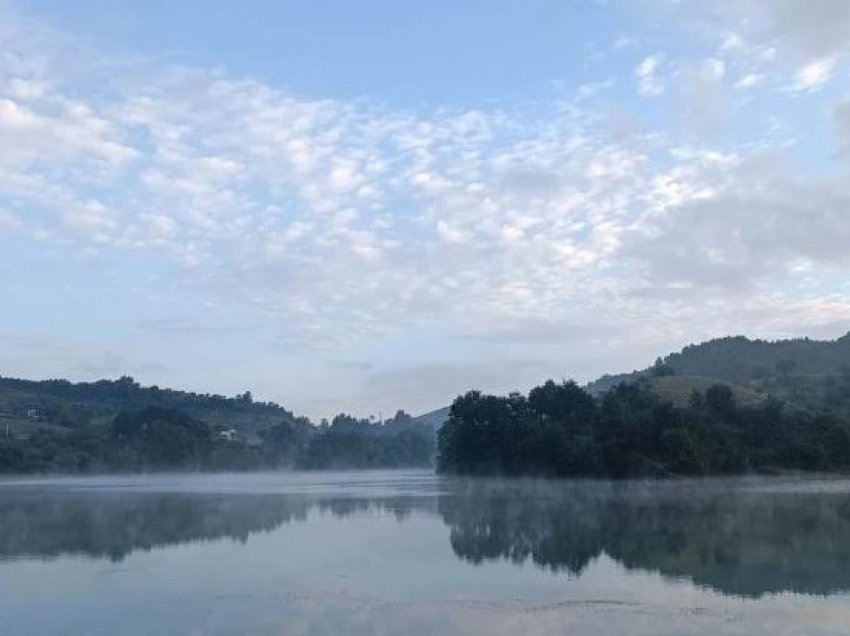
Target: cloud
749	80
350	219
796	45
543	331
9	222
54	127
39	357
815	28
430	384
757	223
703	95
646	74
814	75
331	223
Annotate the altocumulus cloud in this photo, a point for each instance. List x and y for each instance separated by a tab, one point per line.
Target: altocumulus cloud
351	221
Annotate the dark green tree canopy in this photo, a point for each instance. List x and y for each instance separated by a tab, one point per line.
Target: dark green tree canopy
630	431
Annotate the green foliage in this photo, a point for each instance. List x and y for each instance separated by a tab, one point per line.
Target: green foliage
561	430
743	361
352	443
162	438
661	370
71	405
157	438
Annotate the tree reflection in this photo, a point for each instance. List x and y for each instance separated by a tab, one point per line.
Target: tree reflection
737	540
745	542
47	525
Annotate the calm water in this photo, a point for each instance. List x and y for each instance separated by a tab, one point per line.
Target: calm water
409	553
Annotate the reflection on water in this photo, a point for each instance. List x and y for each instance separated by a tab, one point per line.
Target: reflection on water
113	526
739	538
734	539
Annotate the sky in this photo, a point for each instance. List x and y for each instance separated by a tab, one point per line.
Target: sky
365	206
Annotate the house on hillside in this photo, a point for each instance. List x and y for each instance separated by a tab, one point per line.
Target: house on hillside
230	435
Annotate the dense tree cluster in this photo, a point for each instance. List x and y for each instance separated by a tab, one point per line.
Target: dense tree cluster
157	438
347	441
561	430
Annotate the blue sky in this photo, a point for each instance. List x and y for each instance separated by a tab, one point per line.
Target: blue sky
407	55
366	206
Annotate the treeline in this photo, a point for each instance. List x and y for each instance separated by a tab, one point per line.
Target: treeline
126	391
630	431
157	439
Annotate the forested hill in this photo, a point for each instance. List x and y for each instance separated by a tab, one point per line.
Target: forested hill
25	403
726	406
748	362
105	426
802	371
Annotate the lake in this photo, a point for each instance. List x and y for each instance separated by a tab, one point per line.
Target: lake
407	552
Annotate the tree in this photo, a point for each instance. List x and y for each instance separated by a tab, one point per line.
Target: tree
281	442
566	403
163	437
720	400
631	431
660	369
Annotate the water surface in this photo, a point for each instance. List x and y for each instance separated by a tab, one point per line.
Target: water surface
409	553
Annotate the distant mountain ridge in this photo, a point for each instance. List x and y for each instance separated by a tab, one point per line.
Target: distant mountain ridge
738	359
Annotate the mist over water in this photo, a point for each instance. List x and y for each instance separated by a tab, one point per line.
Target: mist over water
409	552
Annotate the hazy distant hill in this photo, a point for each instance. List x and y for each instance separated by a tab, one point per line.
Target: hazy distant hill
28	404
739	360
434	419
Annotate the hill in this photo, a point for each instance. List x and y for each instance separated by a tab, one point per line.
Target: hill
28	405
433	419
678	389
804	372
801	371
727	406
737	359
